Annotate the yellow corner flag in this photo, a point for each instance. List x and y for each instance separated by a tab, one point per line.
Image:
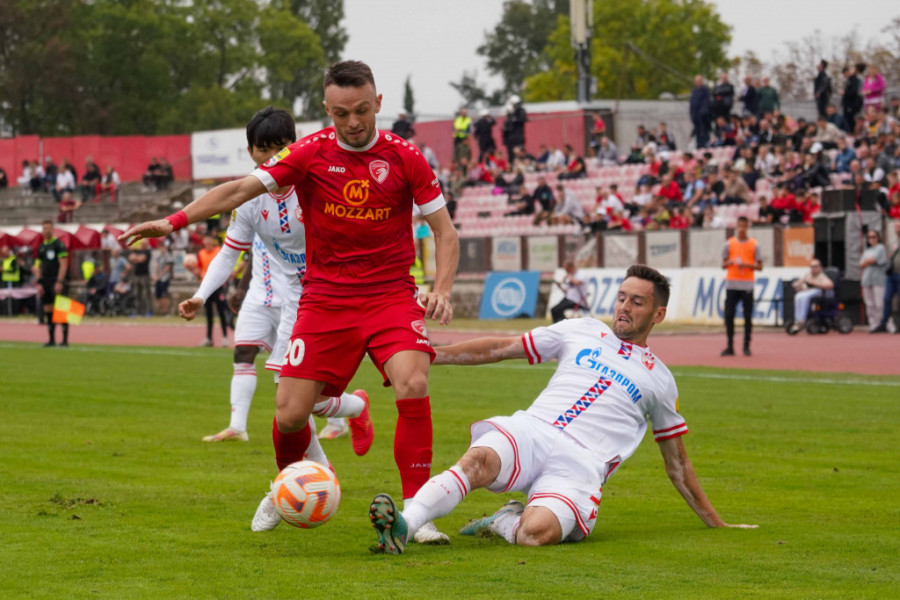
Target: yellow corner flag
66	310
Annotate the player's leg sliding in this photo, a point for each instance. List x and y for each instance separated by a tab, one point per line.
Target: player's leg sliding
356	407
412	453
504	522
243	386
389	524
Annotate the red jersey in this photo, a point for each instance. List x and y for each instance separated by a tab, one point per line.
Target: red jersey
357	208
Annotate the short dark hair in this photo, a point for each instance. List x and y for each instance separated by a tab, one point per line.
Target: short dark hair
661	286
349	73
45	221
743	219
271	128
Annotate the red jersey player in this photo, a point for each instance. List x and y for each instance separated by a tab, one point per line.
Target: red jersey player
357	186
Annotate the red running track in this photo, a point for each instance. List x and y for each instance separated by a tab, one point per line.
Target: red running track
857	352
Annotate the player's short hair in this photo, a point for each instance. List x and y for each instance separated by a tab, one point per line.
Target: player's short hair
271	128
661	286
349	73
743	219
46	222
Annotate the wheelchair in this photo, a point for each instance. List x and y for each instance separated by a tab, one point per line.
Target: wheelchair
825	313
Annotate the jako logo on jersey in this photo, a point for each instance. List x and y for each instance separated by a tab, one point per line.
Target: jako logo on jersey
295	352
265	214
334	169
379	170
356	191
271	162
588	358
419	327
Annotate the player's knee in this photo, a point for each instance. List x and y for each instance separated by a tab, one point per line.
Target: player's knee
289	420
537	533
481	466
415	385
245	354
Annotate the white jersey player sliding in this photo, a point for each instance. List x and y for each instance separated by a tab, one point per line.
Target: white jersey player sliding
591	417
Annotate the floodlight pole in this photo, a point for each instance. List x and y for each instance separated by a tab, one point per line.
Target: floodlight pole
581	17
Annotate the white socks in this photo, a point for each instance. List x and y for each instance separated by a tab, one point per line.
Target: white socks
315	452
506	526
243	386
347	405
436	498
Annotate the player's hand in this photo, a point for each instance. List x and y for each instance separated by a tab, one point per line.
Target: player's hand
187	310
147	229
57	287
438	307
236	299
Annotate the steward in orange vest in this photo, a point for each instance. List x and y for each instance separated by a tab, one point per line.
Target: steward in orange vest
741	259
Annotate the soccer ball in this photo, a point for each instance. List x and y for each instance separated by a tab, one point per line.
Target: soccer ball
306	494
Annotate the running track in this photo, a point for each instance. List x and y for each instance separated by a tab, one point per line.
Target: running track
857	352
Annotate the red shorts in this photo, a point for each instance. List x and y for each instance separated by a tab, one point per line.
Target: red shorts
333	333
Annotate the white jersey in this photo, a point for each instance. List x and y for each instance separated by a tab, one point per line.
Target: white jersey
268	285
278	222
604	390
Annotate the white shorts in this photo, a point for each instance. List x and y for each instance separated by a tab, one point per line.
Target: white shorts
257	325
286	320
541	460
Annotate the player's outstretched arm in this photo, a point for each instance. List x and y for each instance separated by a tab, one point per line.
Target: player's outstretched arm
221	199
217	274
480	351
681	472
446	256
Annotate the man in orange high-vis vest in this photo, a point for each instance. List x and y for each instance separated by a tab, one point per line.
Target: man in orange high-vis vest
741	259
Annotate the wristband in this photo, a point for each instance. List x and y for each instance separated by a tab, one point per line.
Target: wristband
179	220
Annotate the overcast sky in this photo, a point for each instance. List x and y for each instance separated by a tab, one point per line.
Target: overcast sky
435	41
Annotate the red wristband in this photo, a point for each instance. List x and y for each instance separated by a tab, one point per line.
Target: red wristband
179	220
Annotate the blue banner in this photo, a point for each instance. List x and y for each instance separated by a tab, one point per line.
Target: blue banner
509	295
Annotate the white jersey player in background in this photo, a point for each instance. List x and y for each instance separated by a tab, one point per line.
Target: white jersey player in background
591	417
276	219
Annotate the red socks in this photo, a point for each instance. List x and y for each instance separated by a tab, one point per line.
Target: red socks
412	443
290	447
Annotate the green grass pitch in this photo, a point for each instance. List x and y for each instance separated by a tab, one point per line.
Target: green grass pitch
107	491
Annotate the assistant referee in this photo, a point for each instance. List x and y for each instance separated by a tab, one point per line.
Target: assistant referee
51	268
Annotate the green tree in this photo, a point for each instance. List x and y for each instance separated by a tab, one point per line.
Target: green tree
473	93
685	36
514	49
409	100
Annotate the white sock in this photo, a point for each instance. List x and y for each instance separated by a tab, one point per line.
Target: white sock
436	498
506	526
338	422
315	452
243	386
347	405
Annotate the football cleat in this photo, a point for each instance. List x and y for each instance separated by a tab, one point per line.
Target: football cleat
266	517
227	435
362	432
389	524
330	432
483	525
429	535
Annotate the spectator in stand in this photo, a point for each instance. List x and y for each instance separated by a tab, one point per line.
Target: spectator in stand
749	97
557	159
4	180
67	207
642	138
813	172
852	100
543	195
873	88
845	155
822	88
736	190
768	99
575	167
892	286
514	125
522	202
810	207
402	127
635	158
165	175
814	284
110	184
679	218
540	163
139	257
766	214
749	174
693	186
894	207
26	178
722	98
726	132
827	133
50	172
607	153
709	219
664	138
571	209
700	111
108	240
507	184
151	174
670	192
573	285
430	157
835	118
484	134
119	270
874	264
90	180
165	267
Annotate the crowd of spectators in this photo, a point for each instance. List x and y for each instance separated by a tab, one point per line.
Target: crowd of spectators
60	179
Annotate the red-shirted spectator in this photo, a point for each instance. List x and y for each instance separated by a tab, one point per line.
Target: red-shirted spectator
670	190
679	220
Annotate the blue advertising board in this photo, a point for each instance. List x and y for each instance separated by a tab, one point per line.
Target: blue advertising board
508	295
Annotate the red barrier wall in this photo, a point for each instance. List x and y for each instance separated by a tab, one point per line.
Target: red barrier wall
130	155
